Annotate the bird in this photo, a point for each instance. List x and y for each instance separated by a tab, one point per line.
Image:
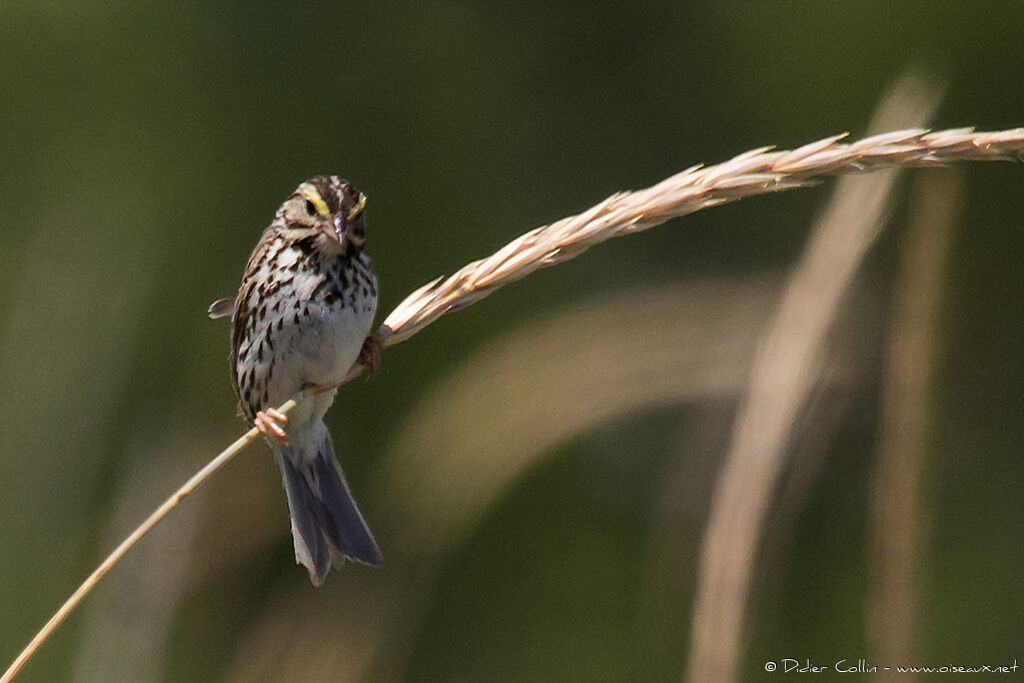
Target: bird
300	321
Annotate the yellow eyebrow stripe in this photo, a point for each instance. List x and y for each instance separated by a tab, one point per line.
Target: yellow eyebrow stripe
358	208
310	193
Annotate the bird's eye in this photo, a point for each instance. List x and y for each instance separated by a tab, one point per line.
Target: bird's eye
310	208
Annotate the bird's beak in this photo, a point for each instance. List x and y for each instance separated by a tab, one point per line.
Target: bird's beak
336	228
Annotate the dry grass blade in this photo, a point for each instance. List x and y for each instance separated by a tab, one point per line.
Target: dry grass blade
753	173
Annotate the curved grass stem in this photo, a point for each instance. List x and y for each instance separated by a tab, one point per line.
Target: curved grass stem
757	172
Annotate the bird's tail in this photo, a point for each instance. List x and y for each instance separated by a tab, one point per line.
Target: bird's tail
327	526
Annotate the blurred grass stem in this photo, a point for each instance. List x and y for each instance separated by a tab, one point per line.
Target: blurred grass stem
898	528
786	368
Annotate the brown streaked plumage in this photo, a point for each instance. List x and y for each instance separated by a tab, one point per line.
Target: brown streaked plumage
300	320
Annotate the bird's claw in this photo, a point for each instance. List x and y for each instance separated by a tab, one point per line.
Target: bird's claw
270	423
369	355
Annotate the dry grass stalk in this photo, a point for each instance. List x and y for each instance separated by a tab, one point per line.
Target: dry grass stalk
759	171
115	556
756	172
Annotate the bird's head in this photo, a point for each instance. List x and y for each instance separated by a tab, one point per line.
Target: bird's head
328	212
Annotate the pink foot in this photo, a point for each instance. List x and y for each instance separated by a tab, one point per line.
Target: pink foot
270	423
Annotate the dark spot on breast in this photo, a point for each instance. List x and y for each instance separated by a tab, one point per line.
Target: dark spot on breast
307	245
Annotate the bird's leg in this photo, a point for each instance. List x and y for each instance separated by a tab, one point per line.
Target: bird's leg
270	423
369	355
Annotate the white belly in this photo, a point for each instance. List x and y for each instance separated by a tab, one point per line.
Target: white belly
331	342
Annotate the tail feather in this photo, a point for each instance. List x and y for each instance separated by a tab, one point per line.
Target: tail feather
345	525
310	547
327	526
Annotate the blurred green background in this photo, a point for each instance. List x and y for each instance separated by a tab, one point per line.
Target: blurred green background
540	508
